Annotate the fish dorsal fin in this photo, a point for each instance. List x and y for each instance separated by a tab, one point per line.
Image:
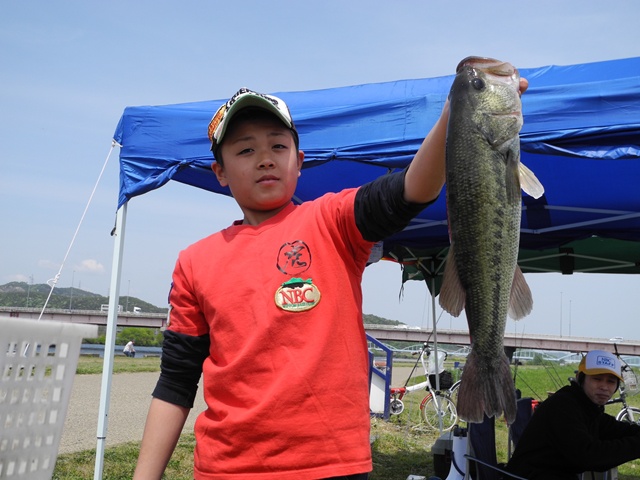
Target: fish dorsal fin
529	182
521	300
452	295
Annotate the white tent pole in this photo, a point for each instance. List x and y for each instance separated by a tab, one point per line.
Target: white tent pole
110	340
435	342
435	332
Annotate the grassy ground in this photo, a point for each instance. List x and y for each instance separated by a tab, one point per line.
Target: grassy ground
400	446
88	365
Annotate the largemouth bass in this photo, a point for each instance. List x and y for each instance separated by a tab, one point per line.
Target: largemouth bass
484	177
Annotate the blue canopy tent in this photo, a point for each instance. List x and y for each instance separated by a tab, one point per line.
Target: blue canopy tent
581	137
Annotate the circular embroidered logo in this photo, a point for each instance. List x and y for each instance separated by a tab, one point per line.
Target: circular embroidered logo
294	258
297	295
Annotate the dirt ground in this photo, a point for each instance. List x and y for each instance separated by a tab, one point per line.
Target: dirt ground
130	399
129	402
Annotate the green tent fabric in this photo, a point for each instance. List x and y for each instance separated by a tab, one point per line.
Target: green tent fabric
591	255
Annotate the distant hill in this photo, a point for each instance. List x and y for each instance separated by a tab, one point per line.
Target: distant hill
21	294
375	320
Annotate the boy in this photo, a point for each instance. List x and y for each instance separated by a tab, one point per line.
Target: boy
270	310
569	433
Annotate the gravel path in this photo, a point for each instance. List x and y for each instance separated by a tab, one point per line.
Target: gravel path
130	399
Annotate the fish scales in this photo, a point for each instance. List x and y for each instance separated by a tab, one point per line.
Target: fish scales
484	210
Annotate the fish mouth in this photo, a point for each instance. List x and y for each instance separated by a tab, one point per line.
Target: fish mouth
489	65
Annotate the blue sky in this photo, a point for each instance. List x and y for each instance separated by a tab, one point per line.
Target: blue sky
70	68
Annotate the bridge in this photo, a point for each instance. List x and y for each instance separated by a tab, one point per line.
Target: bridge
380	332
91	317
511	340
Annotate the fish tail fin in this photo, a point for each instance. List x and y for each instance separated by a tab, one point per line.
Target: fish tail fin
521	300
486	390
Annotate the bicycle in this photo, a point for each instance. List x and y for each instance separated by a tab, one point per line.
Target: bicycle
437	409
629	384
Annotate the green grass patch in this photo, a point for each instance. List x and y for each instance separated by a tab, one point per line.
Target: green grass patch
120	462
88	365
399	451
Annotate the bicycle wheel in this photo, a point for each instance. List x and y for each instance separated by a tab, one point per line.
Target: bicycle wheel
626	414
435	410
396	406
453	392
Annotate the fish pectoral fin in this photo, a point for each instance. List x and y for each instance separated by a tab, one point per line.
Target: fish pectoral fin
529	182
512	180
521	300
452	294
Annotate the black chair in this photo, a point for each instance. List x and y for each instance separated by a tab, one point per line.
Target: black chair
524	410
482	437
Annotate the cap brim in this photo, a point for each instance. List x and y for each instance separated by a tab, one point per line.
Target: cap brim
250	100
601	371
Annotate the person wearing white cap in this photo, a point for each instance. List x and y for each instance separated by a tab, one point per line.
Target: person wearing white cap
269	310
569	433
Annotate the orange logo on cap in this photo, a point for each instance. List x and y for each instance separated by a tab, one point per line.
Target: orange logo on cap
215	122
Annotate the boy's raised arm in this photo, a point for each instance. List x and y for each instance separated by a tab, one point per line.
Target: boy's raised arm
426	174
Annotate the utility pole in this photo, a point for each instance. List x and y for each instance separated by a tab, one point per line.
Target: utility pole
126	306
560	313
29	288
71	290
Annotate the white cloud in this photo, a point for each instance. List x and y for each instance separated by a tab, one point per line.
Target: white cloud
48	264
18	277
90	265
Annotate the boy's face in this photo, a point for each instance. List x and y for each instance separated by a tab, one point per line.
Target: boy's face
261	166
600	388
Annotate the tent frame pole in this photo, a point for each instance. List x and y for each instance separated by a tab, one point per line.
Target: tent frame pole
435	343
110	340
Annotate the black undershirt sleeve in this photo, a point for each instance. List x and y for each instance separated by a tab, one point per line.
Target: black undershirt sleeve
181	367
380	207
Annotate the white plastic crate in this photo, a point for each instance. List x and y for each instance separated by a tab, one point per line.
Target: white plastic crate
38	361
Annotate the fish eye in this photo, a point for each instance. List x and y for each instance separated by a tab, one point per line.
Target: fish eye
477	83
